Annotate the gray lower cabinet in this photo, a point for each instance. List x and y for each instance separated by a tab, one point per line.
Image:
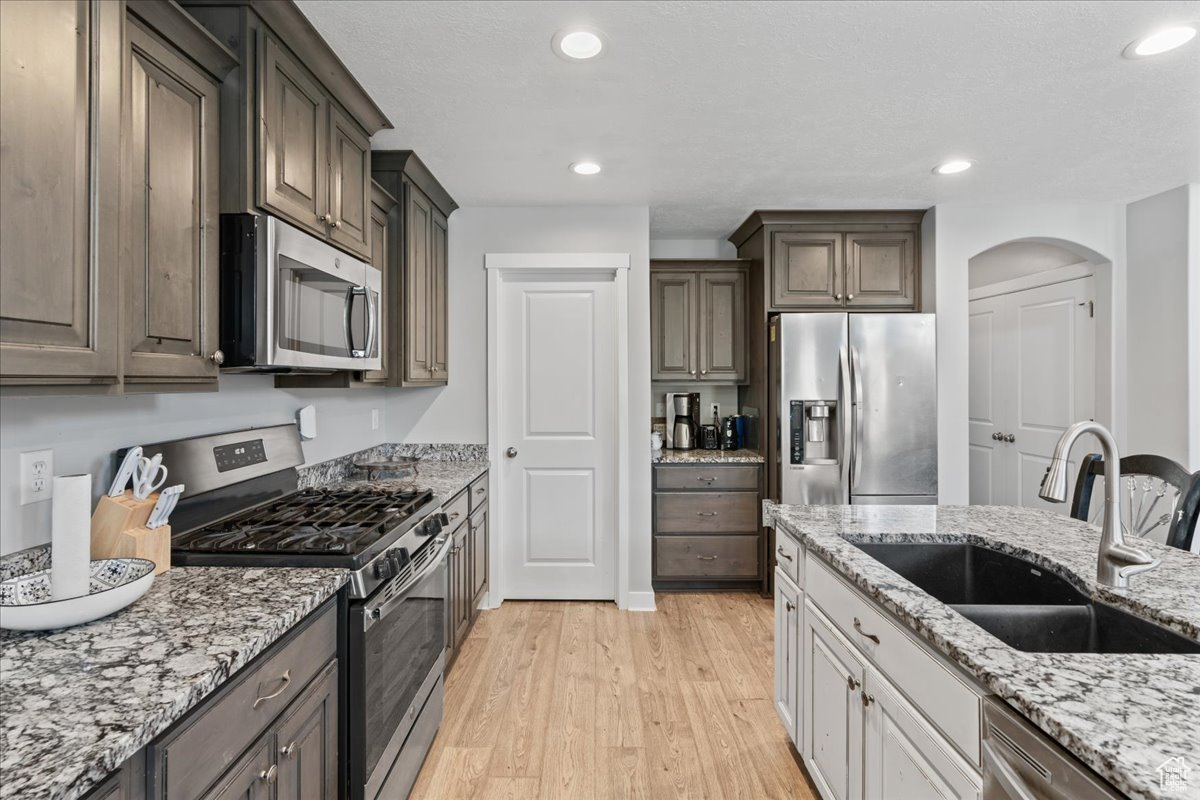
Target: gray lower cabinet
469	561
248	780
707	533
59	173
306	742
698	318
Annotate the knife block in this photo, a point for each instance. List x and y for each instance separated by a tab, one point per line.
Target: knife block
119	531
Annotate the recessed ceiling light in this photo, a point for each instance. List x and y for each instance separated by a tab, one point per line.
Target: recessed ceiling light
951	167
585	168
578	44
1160	41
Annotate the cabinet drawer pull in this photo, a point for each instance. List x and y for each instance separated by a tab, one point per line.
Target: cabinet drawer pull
706	478
480	490
285	681
268	775
864	634
707	558
781	554
706	513
851	683
454	515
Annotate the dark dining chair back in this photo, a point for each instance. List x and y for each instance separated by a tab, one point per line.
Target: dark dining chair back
1160	499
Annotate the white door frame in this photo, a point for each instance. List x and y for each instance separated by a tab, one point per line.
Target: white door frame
616	267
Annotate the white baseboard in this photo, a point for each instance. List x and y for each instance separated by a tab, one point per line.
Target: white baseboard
641	601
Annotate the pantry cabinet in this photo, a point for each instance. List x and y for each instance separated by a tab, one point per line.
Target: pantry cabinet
60	114
698	320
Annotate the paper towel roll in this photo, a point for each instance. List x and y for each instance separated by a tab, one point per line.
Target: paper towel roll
70	536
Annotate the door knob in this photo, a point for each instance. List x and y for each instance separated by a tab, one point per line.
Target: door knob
511	452
997	436
1010	438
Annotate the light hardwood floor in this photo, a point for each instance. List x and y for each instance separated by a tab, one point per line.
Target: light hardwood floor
580	700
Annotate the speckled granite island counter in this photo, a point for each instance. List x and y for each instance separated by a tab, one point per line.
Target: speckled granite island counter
76	703
743	456
1121	714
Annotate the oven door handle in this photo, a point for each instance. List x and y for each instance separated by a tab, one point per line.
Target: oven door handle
373	614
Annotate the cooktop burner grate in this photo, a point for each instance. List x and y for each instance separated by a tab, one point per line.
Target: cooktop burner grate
311	521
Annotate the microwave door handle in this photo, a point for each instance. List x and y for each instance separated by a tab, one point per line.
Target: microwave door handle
370	347
351	293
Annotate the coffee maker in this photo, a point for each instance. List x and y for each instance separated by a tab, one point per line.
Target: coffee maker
683	420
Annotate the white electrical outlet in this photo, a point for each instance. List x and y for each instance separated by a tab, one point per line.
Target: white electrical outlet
716	410
374	419
37	469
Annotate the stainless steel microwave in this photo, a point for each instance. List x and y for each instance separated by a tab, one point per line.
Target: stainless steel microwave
293	303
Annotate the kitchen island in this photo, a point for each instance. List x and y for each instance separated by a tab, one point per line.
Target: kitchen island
1123	715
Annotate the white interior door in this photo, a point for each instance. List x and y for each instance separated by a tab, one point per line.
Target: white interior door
1032	374
557	382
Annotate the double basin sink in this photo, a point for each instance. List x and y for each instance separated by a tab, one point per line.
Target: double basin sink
1020	603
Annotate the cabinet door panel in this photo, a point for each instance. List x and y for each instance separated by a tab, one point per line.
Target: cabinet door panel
673	296
169	229
293	141
439	308
905	756
418	360
806	270
58	286
881	269
380	259
461	584
788	607
722	327
350	183
832	710
479	558
306	742
248	779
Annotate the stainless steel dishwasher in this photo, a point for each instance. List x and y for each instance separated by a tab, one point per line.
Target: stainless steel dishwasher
1022	763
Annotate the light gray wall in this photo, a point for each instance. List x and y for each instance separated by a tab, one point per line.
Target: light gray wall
1016	260
85	431
1161	340
458	412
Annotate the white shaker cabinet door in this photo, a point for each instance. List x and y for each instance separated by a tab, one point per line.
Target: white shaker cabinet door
833	710
789	609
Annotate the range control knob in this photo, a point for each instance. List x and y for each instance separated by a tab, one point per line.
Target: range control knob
385	568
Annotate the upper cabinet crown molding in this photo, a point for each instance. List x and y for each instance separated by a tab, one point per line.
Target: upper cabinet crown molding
168	19
407	162
290	24
828	220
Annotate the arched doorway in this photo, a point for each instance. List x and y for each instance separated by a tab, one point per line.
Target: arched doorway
1039	326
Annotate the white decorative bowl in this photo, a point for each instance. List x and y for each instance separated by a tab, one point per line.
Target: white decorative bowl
25	603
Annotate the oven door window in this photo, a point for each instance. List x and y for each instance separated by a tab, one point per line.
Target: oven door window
319	313
400	650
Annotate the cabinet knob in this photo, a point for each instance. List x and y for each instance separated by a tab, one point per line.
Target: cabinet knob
287	750
268	775
852	683
790	605
837	296
693	372
850	296
703	372
217	357
335	223
867	699
326	218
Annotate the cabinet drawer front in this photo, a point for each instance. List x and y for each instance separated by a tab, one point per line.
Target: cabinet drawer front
458	509
192	758
705	512
932	684
789	557
716	477
478	492
707	556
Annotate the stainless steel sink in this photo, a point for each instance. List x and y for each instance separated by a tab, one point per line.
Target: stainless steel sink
1025	606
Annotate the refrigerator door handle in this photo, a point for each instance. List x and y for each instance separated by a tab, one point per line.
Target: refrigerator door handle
856	442
845	446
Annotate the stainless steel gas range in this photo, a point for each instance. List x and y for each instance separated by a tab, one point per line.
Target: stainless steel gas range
243	507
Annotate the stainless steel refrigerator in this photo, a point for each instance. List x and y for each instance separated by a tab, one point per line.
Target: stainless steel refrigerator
856	408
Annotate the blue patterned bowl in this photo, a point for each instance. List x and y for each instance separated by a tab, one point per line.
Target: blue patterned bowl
25	603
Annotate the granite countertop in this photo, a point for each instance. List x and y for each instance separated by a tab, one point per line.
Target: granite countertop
1121	714
444	478
666	456
76	703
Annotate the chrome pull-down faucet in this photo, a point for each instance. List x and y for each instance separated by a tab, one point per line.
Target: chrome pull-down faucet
1117	560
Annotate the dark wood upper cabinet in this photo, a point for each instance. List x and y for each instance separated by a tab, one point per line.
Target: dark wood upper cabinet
823	260
416	280
293	142
722	331
881	269
698	320
298	126
60	113
673	313
806	269
169	228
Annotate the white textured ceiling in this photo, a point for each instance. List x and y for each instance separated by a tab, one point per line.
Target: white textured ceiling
707	110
